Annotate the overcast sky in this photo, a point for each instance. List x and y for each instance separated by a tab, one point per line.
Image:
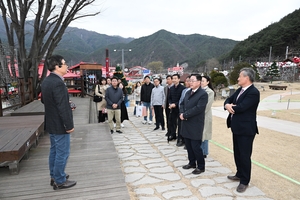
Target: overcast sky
233	19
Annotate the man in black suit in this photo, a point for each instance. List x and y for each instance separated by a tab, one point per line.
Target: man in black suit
58	121
192	114
174	97
242	107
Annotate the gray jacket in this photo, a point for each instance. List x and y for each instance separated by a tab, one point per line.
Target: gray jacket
112	96
157	96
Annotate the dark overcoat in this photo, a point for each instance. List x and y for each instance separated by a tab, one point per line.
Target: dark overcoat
58	113
193	109
243	122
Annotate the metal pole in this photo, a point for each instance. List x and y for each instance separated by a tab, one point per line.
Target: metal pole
270	54
123	60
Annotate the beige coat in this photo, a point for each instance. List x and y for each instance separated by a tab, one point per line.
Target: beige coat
207	131
101	104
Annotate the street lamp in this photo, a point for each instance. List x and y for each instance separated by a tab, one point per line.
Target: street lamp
122	56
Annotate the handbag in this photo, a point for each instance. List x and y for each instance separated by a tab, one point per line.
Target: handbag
96	98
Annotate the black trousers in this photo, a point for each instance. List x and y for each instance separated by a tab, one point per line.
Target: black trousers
195	153
242	149
167	111
175	123
159	116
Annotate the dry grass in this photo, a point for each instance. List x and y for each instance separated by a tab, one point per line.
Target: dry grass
287	95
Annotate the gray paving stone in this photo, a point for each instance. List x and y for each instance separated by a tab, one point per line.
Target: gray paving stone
150	155
146	180
177	158
220	198
149	198
125	151
134	169
200	182
154	165
185	171
134	157
210	191
177	193
166	176
129	178
180	163
151	161
262	198
125	155
175	186
251	191
162	169
221	170
131	163
144	191
212	163
222	179
167	151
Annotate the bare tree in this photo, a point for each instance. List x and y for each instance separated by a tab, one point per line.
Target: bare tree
51	18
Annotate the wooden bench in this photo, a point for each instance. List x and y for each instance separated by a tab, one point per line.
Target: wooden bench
17	136
277	87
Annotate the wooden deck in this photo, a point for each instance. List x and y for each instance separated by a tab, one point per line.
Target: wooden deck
93	163
34	108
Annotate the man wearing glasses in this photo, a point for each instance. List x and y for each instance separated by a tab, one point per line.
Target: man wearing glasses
58	121
192	114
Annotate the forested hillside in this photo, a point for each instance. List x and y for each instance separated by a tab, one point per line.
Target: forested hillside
278	35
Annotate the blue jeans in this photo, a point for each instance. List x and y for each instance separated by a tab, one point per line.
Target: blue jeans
204	147
59	153
147	104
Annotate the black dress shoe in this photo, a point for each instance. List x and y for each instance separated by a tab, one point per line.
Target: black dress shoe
184	147
204	156
241	188
172	138
64	185
198	171
111	131
180	144
118	131
233	178
188	166
52	179
156	128
166	134
163	129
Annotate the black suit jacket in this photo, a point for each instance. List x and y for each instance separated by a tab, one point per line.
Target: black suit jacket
193	109
243	122
58	113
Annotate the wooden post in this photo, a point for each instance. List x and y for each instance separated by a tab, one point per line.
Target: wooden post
1	110
22	92
82	87
30	88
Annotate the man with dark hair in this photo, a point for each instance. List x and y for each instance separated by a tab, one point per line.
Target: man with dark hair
192	114
58	121
166	104
114	98
146	91
242	107
157	103
175	94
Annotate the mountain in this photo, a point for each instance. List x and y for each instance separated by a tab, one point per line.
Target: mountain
167	47
81	45
278	35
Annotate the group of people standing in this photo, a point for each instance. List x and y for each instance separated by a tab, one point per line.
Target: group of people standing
112	106
168	99
187	108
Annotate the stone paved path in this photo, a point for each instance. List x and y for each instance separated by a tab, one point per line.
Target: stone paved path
153	168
